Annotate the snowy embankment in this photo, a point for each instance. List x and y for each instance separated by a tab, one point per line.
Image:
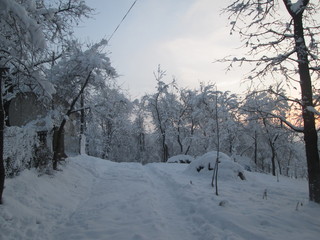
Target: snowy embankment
97	199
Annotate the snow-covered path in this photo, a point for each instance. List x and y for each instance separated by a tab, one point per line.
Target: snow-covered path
131	202
97	199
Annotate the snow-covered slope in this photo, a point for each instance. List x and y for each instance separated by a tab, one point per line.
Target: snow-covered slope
97	199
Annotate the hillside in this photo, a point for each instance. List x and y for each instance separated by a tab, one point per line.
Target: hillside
97	199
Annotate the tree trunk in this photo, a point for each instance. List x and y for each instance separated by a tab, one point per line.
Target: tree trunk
310	133
179	141
58	144
255	148
82	140
191	134
273	159
165	149
3	71
142	144
288	163
271	143
279	166
165	152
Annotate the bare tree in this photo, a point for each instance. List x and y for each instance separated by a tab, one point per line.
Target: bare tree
284	45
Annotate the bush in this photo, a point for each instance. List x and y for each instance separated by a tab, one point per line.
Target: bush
19	149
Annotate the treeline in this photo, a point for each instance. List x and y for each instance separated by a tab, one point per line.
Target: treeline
173	121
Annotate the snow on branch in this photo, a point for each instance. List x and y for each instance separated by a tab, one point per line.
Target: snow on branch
18	12
313	110
281	118
289	124
296	8
262	65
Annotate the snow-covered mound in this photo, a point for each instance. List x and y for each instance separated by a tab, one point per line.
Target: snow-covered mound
227	169
181	159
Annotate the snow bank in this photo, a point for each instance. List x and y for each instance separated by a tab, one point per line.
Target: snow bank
101	200
228	170
33	204
181	159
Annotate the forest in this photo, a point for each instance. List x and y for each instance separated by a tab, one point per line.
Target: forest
60	97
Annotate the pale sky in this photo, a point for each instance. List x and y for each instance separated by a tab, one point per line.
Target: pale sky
183	36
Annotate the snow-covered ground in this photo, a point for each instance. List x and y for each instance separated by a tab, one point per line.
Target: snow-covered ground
97	199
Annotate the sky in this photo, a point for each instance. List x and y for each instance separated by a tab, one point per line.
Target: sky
184	37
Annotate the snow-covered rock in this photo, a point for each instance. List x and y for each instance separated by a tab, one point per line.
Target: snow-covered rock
181	158
227	169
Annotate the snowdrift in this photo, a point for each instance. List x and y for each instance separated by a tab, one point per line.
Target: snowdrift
228	169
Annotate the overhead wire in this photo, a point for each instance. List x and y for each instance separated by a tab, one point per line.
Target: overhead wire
124	17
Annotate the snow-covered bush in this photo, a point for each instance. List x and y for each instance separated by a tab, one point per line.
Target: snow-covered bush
23	150
228	169
19	148
181	159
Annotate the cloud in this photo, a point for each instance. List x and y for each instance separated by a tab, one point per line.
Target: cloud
183	36
192	58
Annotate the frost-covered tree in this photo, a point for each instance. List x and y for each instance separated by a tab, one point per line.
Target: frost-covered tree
257	108
186	120
140	132
109	127
282	37
204	118
229	123
76	71
30	30
208	105
17	29
181	121
27	29
160	106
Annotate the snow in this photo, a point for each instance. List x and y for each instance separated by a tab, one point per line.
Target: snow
313	110
297	6
93	198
